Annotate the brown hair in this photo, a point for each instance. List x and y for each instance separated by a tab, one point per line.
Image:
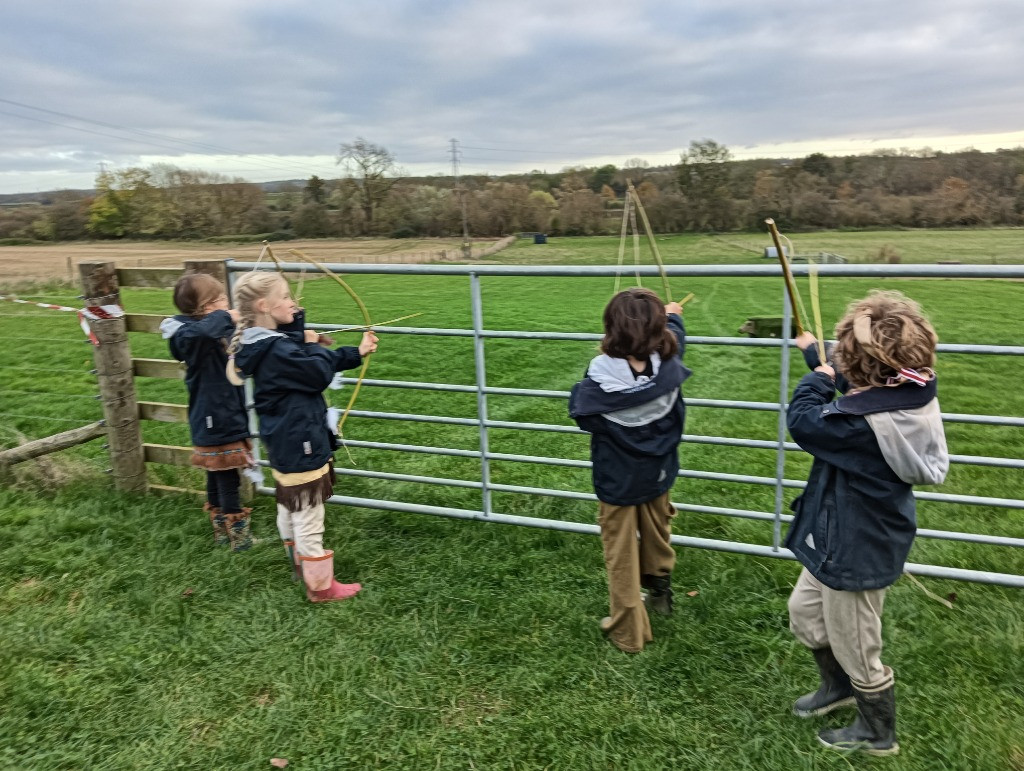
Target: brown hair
880	334
634	325
194	291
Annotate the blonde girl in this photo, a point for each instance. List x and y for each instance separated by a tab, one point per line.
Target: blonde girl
289	375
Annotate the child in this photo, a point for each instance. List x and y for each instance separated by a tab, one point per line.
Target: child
216	408
855	521
630	403
290	373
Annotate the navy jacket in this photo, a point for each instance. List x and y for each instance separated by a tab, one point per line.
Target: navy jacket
856	520
216	409
635	432
289	378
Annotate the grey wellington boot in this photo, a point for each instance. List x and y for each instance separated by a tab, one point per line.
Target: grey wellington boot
659	593
835	690
874	730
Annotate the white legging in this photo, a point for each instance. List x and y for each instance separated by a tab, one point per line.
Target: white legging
305	527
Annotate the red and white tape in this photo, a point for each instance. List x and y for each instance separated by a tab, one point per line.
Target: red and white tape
38	305
85	315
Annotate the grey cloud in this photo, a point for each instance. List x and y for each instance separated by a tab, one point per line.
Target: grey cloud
592	76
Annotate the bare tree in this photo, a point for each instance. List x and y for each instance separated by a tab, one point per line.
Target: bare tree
373	169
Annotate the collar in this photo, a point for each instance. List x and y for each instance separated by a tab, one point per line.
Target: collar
908	396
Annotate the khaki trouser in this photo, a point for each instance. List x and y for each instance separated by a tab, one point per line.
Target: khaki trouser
848	622
305	527
627	558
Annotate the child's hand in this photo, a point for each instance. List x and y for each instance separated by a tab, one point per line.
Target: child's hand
825	369
369	344
675	308
310	335
235	315
804	340
325	340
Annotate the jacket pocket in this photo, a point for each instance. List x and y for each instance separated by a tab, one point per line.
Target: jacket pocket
825	535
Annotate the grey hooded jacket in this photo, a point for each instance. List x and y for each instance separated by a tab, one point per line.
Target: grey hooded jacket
856	520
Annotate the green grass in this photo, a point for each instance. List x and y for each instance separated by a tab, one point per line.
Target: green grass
475	645
986	247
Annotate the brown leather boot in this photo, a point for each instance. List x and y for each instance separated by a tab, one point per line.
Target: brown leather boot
239	529
220	527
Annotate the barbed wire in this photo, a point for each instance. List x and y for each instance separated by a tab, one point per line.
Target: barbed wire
52	394
47	339
46	369
47	417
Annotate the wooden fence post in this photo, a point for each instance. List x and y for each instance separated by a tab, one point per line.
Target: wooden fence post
219	270
113	359
216	268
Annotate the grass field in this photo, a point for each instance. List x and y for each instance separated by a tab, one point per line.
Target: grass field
130	642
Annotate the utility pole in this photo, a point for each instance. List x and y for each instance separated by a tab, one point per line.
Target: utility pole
467	247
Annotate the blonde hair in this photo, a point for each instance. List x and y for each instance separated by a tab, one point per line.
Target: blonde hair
248	289
881	334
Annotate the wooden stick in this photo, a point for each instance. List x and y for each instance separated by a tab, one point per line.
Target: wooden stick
812	268
636	240
370	326
787	275
53	443
653	243
622	242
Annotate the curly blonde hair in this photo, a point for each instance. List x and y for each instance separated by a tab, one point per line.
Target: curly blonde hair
879	335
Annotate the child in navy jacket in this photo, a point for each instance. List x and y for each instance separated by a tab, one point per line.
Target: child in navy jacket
630	403
855	521
290	371
216	408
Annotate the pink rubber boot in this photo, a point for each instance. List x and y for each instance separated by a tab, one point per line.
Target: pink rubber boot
318	573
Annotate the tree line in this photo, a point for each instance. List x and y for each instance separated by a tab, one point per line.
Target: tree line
706	191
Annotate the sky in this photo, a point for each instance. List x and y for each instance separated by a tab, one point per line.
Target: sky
267	90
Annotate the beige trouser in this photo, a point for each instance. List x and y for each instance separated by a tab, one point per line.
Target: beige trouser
627	558
305	527
848	622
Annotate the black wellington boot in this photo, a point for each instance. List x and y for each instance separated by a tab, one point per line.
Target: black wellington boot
659	593
835	690
874	730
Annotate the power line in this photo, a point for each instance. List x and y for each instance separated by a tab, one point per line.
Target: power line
163	137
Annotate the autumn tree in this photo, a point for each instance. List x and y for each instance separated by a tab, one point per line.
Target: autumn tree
703	176
373	169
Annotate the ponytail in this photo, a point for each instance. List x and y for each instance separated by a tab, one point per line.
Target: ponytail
248	289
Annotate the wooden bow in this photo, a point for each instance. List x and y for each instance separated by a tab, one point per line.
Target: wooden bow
366	320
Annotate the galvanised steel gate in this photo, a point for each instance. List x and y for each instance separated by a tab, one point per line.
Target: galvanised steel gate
779	444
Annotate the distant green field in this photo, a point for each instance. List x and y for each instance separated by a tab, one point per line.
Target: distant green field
474	645
988	247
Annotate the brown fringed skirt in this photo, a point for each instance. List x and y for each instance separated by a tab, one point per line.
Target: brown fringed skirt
224	456
307	494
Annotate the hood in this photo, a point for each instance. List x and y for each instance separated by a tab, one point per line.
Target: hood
611	390
913	443
256	341
616	375
171	325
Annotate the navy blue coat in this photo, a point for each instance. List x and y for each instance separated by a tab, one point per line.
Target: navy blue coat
856	519
637	463
216	408
289	378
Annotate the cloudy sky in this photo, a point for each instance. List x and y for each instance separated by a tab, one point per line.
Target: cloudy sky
269	89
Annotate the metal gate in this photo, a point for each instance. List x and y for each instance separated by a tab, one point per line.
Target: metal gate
778	443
